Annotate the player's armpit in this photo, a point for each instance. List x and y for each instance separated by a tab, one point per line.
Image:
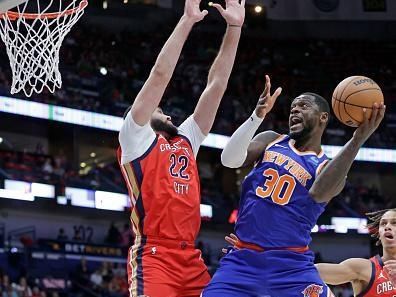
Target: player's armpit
348	271
257	146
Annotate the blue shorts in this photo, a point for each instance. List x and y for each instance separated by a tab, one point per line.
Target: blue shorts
277	273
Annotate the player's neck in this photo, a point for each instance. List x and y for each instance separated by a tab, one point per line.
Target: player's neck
309	144
389	254
164	134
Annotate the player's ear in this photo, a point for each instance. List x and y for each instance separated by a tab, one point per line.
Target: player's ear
324	118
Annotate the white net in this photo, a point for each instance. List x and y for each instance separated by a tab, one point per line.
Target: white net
33	40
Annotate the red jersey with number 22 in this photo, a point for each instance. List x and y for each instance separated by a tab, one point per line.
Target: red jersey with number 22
165	190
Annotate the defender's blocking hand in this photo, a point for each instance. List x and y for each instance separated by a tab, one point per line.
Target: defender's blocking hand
234	13
266	100
193	12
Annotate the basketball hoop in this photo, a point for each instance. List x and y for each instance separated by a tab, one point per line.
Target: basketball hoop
33	34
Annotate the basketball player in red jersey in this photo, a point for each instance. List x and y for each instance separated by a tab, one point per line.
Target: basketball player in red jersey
374	277
158	163
369	278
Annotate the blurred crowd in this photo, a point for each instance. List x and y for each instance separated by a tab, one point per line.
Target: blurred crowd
107	280
21	288
107	79
356	199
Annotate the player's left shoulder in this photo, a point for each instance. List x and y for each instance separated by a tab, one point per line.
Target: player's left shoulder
183	140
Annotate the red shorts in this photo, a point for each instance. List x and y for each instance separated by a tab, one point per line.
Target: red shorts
165	268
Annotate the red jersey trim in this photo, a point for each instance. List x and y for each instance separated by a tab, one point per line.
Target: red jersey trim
148	150
188	141
129	175
372	279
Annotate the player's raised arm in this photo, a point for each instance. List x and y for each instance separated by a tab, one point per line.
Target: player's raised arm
350	270
220	71
241	149
327	184
150	95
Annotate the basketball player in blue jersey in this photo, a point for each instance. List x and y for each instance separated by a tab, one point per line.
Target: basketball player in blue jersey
282	198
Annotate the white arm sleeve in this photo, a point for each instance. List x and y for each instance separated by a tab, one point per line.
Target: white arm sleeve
235	152
135	140
190	129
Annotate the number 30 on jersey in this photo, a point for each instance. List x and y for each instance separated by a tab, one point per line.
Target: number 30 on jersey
274	186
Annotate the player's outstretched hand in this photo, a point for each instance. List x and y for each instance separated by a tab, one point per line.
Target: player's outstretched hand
234	13
232	239
266	100
390	268
193	12
368	126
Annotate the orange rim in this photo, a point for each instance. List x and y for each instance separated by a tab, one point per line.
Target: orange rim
12	15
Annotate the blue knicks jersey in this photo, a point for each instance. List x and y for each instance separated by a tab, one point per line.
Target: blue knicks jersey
275	207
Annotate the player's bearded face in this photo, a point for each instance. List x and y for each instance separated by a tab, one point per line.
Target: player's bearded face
299	132
303	118
300	125
162	123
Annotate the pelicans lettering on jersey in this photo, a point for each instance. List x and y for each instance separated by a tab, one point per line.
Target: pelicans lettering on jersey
275	219
379	285
164	188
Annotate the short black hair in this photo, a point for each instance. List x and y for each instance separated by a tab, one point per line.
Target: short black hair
320	102
126	111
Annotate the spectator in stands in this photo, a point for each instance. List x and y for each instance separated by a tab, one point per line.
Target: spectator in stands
47	166
62	235
23	288
77	234
82	274
114	289
36	292
107	272
5	284
97	279
10	292
126	236
113	235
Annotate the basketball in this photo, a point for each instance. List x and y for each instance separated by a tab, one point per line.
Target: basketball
352	95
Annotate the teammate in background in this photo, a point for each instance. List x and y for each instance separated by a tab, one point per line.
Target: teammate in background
369	278
158	163
282	198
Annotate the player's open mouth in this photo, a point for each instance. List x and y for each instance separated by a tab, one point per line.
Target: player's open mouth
388	236
295	122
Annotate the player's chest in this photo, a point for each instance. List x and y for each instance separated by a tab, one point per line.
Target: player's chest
277	167
175	159
383	286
